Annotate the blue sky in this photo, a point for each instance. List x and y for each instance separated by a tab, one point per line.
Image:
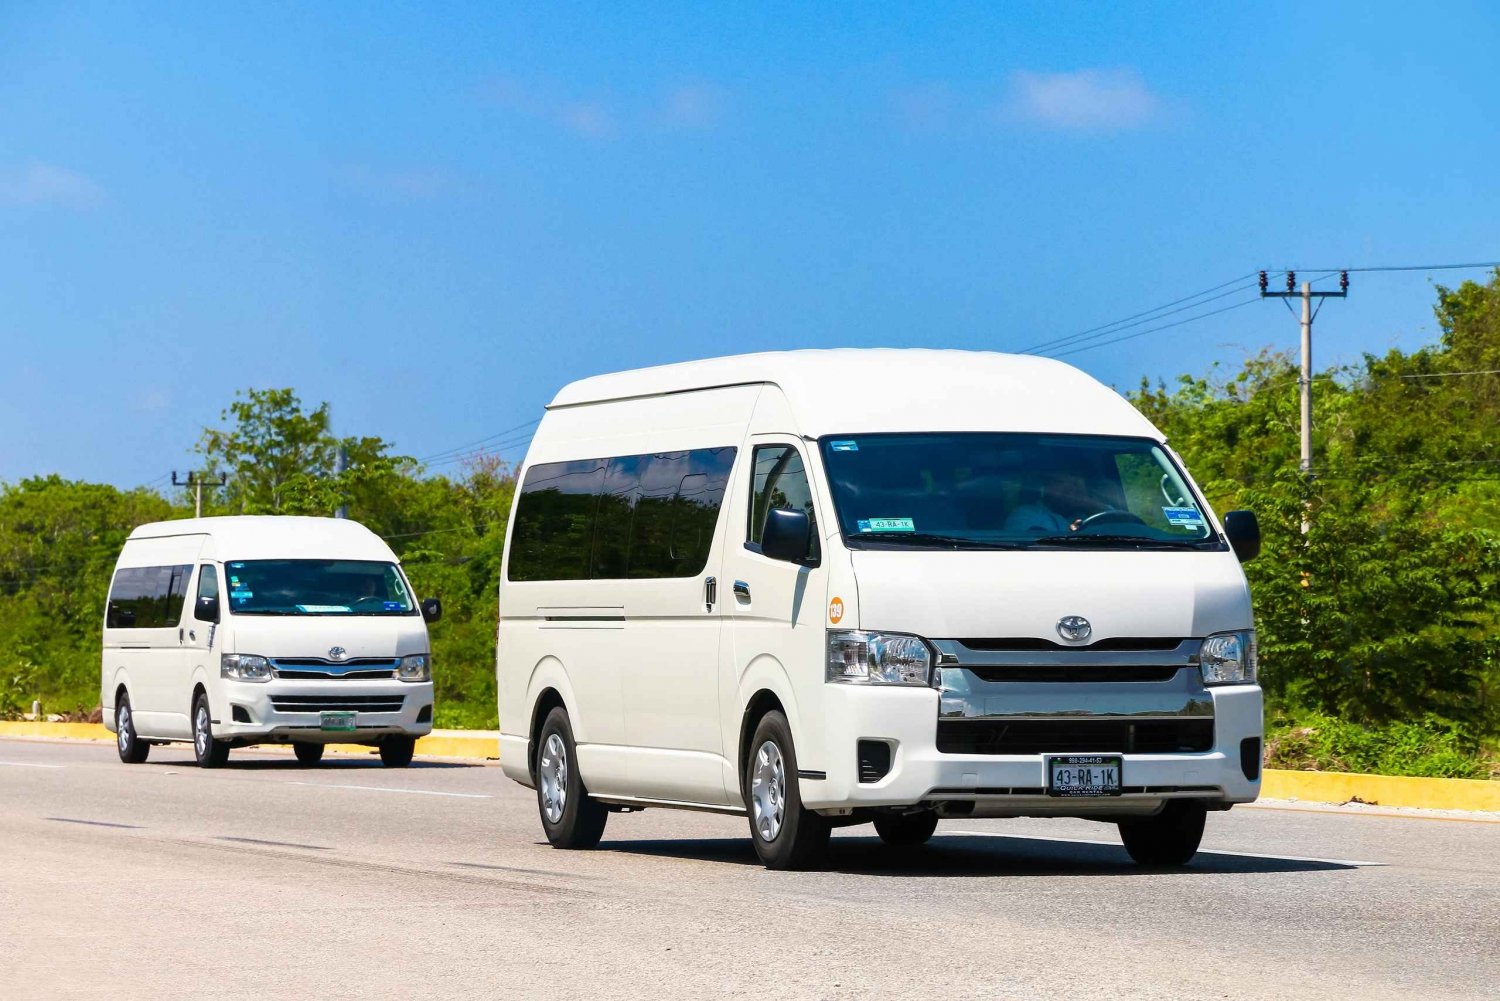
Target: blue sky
432	216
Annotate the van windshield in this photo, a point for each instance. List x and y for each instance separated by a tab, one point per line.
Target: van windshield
316	587
1011	491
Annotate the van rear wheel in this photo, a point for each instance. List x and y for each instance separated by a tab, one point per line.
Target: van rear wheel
132	748
786	835
1168	839
307	752
906	830
571	817
210	753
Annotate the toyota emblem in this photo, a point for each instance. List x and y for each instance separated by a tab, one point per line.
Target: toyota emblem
338	652
1074	628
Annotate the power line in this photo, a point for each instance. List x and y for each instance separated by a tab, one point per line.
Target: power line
1152	330
475	444
1451	375
1146	316
1413	267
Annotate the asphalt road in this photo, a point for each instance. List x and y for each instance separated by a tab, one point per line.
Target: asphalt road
349	880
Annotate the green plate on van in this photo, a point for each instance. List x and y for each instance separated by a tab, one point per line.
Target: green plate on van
338	721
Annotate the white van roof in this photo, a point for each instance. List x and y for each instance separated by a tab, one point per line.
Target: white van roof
895	389
269	537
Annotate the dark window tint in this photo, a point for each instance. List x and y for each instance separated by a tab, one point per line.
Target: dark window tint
208	581
632	516
780	482
147	597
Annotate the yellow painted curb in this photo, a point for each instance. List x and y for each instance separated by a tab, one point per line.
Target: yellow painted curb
1384	790
480	744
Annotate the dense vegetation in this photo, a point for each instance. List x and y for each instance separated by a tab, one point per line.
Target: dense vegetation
1379	628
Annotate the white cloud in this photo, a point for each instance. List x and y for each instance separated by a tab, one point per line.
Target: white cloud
1092	99
38	183
692	106
585	117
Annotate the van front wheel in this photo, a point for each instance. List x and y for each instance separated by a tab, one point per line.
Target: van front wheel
786	835
396	752
210	753
132	748
307	752
1168	839
906	830
570	816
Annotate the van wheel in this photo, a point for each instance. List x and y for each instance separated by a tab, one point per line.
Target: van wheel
132	748
906	830
210	753
570	816
786	836
307	752
1168	839
396	752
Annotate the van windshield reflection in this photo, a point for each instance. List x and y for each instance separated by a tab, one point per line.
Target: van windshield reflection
317	587
1011	491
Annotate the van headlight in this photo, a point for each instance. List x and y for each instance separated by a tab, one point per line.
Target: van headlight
1228	658
862	658
417	667
244	667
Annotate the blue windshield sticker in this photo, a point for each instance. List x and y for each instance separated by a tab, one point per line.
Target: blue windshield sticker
393	606
237	566
242	595
1183	517
844	446
887	525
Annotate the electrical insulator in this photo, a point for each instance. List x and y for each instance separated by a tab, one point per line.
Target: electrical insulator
1291	281
1343	281
1263	283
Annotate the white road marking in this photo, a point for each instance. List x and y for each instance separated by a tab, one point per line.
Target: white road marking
1201	851
28	764
414	792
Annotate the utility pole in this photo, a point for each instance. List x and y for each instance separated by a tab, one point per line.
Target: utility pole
1307	295
340	465
197	482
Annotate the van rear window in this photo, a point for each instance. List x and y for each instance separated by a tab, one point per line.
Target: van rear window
147	597
620	517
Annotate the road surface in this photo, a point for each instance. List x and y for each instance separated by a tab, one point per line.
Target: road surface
266	879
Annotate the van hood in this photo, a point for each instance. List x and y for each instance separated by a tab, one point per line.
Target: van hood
315	635
992	595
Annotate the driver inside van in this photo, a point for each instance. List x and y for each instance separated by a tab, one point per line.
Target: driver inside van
1057	506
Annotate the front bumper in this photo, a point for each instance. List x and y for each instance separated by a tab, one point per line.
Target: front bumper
281	711
1011	784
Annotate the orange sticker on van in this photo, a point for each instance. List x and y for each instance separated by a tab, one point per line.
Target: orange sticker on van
835	610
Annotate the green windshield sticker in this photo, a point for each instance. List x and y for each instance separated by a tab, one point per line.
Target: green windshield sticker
887	525
844	446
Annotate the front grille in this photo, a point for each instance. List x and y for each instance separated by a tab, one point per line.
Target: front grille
316	669
1074	736
337	703
1113	643
874	760
1072	673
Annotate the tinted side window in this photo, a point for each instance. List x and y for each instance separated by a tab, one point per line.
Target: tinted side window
147	597
631	516
554	532
780	482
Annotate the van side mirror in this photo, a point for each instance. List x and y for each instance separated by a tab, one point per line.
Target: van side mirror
1244	534
207	608
788	535
432	610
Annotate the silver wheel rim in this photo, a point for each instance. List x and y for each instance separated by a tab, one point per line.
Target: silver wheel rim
122	727
200	730
768	791
552	775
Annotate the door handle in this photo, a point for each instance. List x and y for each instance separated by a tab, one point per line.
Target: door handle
710	593
742	590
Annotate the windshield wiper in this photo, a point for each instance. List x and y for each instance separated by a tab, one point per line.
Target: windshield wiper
1113	540
264	611
928	538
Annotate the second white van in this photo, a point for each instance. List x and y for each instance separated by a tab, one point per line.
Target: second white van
838	587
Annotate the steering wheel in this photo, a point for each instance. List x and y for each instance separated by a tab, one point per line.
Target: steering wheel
368	600
1111	516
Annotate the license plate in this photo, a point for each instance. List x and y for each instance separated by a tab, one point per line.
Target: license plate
1084	775
338	721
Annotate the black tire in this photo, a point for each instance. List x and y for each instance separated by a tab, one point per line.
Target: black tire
576	819
210	753
801	839
307	752
396	752
906	830
132	748
1168	839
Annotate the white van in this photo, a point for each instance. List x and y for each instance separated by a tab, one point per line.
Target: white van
824	588
225	632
